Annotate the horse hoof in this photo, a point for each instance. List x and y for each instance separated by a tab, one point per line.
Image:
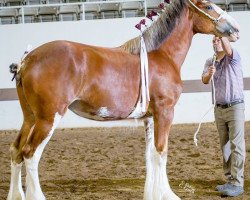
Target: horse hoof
35	196
170	196
17	196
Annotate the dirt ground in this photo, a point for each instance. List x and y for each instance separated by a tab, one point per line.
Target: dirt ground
109	164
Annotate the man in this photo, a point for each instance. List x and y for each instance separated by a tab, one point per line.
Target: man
229	112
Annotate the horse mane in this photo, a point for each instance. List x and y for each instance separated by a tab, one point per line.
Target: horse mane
159	30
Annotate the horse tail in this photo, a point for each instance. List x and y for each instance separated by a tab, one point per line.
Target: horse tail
28	114
27	111
14	69
28	123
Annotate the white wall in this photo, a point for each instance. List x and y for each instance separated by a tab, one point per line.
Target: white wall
15	38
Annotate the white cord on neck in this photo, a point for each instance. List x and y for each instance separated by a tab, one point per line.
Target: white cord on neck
144	76
214	103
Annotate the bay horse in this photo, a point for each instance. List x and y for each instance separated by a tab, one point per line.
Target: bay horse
104	84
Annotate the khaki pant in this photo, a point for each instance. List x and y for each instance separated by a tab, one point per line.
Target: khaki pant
230	125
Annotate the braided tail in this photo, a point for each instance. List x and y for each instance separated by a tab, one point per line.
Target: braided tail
14	68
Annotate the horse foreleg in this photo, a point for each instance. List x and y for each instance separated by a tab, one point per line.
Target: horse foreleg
157	185
149	184
32	152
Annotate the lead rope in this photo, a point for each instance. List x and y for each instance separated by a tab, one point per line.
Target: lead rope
213	105
144	76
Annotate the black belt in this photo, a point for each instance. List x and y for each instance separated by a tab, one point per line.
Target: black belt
229	104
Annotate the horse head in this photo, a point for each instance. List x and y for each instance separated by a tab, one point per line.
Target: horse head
211	19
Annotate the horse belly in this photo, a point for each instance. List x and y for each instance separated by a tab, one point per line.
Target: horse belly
82	109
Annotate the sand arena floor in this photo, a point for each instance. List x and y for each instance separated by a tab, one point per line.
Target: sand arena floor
108	164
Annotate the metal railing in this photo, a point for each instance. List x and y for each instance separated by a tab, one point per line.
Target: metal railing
21	9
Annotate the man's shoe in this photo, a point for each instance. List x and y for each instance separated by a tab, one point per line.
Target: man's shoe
222	187
233	191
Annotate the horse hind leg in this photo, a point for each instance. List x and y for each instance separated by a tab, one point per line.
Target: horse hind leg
32	152
157	185
16	190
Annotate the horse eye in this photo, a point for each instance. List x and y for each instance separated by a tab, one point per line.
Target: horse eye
209	8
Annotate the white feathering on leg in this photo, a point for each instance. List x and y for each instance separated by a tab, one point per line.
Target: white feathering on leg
16	190
156	186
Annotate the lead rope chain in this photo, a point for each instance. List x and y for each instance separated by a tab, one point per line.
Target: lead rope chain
213	105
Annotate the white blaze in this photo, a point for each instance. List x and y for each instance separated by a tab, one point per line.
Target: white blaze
224	15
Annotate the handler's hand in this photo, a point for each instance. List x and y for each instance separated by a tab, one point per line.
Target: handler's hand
211	70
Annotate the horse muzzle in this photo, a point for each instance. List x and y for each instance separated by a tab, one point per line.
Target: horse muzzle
229	31
228	27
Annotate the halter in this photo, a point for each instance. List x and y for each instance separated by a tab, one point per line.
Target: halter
216	21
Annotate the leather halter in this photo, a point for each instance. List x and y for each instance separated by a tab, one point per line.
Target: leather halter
216	21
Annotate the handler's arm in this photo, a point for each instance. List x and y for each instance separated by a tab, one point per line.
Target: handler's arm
226	46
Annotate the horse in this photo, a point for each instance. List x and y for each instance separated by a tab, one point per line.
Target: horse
104	84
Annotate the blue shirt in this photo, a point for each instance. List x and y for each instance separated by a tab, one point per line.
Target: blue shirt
228	78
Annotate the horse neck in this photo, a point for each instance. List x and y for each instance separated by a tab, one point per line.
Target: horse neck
177	45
